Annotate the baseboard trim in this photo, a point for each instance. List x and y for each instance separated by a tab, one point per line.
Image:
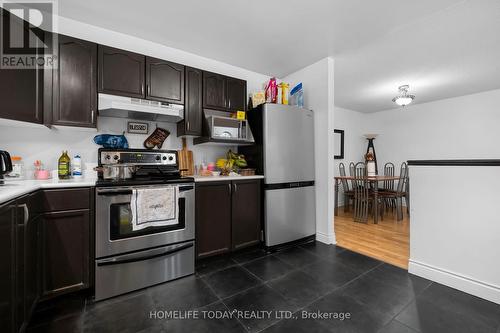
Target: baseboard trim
456	281
325	238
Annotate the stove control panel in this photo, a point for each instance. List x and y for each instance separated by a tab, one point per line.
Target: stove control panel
139	157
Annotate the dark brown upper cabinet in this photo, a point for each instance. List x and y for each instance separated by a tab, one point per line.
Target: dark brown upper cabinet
121	72
74	83
224	93
236	94
246	213
164	81
214	91
193	109
21	90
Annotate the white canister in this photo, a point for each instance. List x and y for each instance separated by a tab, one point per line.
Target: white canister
370	168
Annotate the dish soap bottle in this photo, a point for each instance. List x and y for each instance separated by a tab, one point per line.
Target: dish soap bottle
63	167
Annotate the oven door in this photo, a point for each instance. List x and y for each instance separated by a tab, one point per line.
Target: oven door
114	234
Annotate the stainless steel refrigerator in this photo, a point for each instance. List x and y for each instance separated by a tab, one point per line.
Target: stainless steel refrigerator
284	153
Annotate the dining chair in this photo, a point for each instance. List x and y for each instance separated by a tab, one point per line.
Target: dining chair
361	193
389	171
348	193
399	193
352	172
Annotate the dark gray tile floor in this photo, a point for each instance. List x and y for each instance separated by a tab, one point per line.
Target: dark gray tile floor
289	291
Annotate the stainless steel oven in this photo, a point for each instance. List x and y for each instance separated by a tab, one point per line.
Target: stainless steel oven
127	260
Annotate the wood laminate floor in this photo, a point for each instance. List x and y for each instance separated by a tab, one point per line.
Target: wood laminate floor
388	241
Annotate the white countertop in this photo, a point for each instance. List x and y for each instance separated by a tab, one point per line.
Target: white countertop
15	188
224	178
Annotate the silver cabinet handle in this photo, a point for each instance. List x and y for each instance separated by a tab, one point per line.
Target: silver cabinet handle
235	188
187	125
92	113
229	187
142	89
148	89
26	213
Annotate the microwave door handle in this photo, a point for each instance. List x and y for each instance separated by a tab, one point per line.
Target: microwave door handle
129	259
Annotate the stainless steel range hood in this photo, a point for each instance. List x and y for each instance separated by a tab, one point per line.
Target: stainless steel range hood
139	109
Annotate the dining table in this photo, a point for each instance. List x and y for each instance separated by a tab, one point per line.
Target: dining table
373	180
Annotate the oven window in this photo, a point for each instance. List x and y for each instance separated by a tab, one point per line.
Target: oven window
121	218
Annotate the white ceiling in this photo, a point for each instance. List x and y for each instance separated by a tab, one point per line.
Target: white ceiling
442	48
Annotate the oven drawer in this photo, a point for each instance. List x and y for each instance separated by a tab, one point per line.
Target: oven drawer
121	274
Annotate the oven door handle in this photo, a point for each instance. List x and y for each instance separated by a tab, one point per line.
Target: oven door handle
129	259
113	193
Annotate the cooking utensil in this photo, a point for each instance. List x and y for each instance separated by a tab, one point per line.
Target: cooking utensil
117	171
186	162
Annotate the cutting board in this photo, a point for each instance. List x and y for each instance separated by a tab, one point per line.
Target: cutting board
186	161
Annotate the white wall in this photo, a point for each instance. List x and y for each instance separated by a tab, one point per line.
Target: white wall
318	85
41	143
455	229
462	127
353	124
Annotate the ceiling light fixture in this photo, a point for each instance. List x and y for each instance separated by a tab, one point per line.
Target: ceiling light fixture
403	98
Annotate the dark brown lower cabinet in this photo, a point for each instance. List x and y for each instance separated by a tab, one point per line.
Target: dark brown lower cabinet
41	247
213	219
7	266
246	213
65	250
228	216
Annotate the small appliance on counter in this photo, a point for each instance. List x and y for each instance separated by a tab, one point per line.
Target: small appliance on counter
5	165
129	257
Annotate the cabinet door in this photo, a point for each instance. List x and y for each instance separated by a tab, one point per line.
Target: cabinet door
193	109
75	91
21	90
213	219
65	250
236	94
7	268
214	91
121	72
165	81
22	217
32	264
246	213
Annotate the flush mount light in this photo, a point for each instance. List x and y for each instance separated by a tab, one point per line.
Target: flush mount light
403	98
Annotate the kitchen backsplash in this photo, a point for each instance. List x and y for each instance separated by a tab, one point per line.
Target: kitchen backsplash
47	144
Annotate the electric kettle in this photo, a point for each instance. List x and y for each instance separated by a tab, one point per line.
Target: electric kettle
5	164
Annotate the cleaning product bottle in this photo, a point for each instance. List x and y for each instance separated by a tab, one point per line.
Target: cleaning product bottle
77	166
64	166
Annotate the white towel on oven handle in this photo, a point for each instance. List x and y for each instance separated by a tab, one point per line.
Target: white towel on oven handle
154	207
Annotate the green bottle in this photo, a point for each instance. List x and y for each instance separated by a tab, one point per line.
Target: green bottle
64	167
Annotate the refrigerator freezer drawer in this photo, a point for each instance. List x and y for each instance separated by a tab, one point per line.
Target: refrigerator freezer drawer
290	214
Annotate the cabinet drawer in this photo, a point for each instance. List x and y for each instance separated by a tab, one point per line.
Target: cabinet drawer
66	199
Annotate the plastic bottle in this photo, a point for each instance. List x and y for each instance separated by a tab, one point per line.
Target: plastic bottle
77	166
